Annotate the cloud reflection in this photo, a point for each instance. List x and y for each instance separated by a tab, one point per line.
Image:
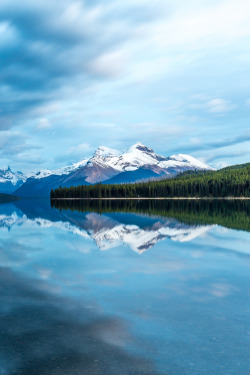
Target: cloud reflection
43	333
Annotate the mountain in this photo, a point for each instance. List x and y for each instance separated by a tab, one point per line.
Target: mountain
108	233
59	171
10	181
107	165
138	232
139	225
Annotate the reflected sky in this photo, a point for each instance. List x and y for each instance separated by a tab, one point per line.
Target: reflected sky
173	306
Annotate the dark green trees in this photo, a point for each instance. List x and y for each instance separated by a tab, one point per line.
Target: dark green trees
234	181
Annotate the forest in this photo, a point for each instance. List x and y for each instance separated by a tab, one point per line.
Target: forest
234	214
227	182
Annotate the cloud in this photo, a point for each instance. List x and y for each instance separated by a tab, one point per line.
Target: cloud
195	22
221	164
79	150
224	155
15	143
105	125
110	64
195	141
45	48
226	142
219	106
8	35
63	64
221	290
43	124
58	333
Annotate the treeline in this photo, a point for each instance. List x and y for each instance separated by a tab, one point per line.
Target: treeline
234	214
233	181
4	198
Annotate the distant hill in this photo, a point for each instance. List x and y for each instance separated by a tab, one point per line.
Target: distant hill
232	181
4	198
236	166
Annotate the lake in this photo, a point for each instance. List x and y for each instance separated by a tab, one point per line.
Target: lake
125	287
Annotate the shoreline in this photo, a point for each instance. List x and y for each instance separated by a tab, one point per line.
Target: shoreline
158	198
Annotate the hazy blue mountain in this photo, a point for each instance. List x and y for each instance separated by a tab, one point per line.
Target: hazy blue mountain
10	181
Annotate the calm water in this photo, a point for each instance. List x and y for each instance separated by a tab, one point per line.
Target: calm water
124	288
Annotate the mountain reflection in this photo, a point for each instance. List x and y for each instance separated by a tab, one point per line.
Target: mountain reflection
137	224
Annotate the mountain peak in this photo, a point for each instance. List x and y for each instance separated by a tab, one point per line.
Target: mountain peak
138	163
6	169
140	147
139	144
105	151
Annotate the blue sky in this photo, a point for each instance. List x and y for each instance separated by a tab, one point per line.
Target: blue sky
78	74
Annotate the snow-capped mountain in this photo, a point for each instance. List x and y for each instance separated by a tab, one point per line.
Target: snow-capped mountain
108	233
59	171
137	163
136	157
10	181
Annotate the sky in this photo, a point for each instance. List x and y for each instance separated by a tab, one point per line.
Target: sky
74	75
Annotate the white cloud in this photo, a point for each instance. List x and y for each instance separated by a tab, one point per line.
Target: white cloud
195	141
103	125
219	106
43	124
163	50
213	105
8	34
209	23
221	290
221	164
79	150
110	64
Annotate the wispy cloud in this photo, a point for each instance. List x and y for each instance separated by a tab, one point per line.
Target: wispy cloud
79	151
88	72
43	124
219	106
226	142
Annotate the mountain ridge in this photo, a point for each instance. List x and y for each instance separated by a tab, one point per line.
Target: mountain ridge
137	163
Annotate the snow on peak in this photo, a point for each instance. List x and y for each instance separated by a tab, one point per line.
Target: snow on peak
7	175
106	151
59	171
184	158
141	148
139	155
107	162
138	146
109	233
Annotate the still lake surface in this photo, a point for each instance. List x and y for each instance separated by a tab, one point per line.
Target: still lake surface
124	287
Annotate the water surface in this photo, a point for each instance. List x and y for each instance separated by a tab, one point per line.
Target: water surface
124	287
